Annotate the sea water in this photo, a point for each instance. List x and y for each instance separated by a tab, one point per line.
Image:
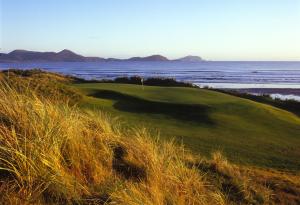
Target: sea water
217	74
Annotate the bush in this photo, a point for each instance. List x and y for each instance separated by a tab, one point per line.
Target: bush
152	81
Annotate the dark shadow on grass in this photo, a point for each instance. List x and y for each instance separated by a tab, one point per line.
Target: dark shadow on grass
186	112
228	185
125	168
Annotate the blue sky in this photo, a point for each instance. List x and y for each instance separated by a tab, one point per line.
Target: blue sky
213	29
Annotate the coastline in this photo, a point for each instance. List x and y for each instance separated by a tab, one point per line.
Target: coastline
283	91
275	93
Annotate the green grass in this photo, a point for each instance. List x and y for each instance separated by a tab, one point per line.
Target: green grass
54	153
246	131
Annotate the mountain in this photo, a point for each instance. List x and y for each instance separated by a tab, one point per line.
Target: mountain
69	56
190	59
62	56
149	58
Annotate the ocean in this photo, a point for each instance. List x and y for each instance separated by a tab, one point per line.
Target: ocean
217	74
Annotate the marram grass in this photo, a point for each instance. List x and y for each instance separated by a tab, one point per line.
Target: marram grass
54	153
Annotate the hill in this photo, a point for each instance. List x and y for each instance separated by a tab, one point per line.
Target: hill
62	56
149	58
247	132
69	56
51	153
190	59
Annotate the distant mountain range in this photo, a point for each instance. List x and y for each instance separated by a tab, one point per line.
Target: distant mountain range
69	56
64	55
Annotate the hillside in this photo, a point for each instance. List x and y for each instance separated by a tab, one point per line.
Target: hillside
247	131
52	152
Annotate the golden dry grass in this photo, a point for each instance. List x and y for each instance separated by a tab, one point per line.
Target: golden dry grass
54	153
47	85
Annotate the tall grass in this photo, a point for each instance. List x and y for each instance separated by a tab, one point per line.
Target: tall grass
54	153
51	153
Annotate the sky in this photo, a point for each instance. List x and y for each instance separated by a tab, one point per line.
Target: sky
212	29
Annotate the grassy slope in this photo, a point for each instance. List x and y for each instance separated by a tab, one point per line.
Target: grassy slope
248	132
51	153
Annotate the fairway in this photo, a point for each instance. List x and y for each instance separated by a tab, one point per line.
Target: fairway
247	132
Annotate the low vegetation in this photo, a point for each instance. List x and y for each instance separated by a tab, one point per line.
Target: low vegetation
154	81
289	105
137	80
58	153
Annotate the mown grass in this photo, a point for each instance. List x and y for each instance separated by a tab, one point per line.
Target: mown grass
289	105
52	152
204	120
